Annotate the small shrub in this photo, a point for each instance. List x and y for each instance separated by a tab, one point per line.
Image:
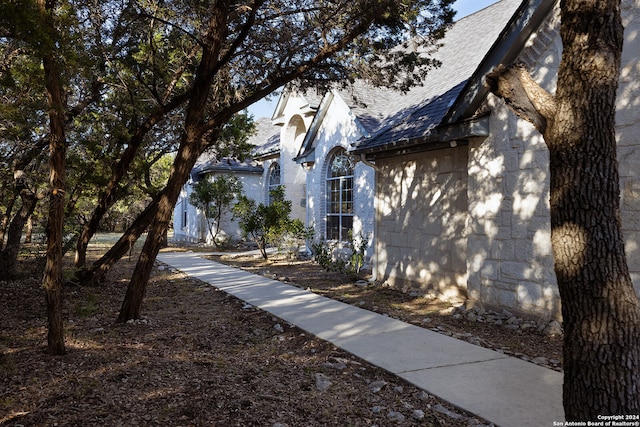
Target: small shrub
332	258
267	224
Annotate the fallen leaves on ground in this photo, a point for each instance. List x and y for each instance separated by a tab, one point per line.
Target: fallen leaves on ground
198	358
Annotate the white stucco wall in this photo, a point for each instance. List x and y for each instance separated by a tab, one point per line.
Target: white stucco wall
338	130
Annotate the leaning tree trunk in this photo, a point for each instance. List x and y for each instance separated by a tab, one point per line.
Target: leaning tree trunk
132	304
99	269
191	146
600	308
52	281
9	255
599	305
185	160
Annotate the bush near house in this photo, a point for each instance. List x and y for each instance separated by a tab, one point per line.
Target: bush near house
268	224
214	198
348	260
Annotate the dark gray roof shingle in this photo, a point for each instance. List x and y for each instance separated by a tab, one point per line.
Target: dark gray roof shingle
465	45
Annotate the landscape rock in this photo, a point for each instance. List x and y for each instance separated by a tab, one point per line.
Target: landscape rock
395	416
448	413
553	329
376	386
540	360
322	382
418	414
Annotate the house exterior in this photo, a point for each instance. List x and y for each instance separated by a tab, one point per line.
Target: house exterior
462	184
304	147
449	187
189	223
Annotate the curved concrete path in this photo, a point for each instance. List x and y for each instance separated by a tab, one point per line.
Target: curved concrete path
506	391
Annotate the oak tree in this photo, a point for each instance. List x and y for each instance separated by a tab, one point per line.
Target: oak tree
600	308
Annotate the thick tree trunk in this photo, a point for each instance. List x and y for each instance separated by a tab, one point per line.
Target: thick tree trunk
9	256
52	281
599	305
132	304
600	308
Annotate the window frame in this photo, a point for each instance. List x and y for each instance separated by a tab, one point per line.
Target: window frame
339	190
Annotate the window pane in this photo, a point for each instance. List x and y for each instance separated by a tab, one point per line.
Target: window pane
333	227
340	196
346	226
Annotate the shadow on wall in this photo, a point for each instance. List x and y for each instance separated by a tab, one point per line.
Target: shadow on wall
422	218
510	263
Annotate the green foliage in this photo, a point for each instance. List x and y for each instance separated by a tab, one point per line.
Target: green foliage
349	260
267	224
233	140
214	197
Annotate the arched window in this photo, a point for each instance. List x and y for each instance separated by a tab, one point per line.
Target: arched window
274	179
340	196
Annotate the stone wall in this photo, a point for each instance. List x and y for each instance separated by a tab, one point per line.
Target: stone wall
422	221
510	259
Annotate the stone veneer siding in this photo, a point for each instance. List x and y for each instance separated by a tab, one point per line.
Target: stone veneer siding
422	221
503	257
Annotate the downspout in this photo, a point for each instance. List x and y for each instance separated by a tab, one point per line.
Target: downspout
363	159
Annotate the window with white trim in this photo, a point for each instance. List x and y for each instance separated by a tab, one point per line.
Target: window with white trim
274	179
340	196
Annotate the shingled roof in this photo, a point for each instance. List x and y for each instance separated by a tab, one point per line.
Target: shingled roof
266	138
468	51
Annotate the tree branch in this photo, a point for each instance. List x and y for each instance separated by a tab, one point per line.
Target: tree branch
522	94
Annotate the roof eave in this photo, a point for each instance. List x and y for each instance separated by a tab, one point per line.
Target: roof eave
438	138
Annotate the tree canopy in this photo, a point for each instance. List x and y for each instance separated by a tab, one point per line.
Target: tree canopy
137	79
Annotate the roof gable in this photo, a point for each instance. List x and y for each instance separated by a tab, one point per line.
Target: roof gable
452	93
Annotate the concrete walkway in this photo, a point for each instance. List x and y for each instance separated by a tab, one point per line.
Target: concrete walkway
507	391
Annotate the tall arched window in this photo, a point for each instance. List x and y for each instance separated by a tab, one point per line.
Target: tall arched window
274	179
339	196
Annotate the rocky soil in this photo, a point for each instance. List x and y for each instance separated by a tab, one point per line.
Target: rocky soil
202	358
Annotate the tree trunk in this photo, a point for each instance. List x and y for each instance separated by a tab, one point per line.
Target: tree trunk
185	160
101	267
132	304
52	281
9	256
28	237
600	308
5	218
191	146
599	305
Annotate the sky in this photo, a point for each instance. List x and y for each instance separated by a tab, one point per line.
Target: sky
264	108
